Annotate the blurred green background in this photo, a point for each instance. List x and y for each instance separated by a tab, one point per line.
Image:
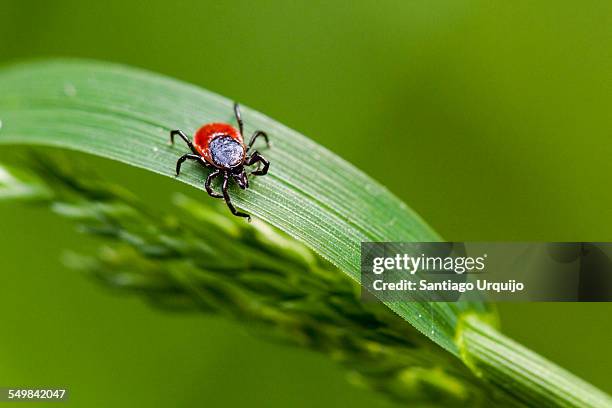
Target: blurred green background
491	119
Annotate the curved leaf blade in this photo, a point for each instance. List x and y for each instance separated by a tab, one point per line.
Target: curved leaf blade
126	114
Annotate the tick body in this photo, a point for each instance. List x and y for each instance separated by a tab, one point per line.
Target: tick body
221	147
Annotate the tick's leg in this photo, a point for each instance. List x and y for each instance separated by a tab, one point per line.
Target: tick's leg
184	157
228	201
256	135
238	116
258	158
209	179
184	137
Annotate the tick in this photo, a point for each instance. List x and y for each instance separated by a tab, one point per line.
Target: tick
220	147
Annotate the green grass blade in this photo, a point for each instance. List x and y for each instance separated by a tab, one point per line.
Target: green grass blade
522	373
126	114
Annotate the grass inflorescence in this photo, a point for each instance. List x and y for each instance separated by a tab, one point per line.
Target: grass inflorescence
199	259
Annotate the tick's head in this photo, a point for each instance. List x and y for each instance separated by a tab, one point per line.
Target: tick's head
241	177
226	152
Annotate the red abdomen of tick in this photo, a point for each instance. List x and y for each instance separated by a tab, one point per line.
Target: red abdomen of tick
204	135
